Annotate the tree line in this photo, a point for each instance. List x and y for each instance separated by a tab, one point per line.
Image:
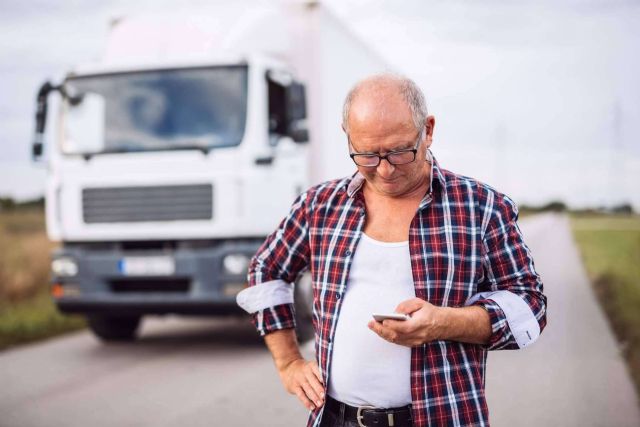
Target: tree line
8	204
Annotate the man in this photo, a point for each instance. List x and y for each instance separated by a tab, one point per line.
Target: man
400	235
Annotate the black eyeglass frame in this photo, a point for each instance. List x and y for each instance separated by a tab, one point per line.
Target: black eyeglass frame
413	150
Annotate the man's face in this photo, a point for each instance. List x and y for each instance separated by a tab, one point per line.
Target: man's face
381	124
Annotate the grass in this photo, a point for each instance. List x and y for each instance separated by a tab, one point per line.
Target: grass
33	319
27	312
610	248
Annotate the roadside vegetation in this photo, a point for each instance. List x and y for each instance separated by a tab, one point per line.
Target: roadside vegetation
610	248
27	312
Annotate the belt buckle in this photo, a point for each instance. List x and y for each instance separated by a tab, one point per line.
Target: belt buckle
359	415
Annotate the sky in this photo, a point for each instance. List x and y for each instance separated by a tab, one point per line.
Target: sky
539	99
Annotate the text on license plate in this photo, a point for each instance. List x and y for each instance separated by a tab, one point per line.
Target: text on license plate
147	266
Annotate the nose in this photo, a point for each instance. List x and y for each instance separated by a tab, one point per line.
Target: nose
385	169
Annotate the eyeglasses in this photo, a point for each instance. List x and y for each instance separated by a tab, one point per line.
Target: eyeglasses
397	157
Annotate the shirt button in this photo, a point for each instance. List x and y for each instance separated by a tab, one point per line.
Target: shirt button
347	253
338	296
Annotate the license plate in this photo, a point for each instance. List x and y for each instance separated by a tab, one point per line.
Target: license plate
147	266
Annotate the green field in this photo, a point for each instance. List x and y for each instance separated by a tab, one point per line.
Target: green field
27	312
610	248
33	319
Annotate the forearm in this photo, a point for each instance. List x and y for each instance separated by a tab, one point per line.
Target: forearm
466	324
283	346
299	377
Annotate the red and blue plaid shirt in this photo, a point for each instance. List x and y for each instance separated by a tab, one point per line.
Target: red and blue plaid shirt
465	248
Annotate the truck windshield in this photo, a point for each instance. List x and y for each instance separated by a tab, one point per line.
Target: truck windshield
198	108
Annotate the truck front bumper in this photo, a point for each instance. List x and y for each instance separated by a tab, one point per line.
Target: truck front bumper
197	282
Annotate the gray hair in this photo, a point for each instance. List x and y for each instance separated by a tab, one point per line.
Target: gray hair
408	89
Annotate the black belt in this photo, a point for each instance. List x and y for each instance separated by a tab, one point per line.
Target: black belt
371	417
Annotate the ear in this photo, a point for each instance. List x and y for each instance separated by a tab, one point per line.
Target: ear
429	124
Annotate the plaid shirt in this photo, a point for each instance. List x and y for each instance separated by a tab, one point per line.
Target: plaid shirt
465	248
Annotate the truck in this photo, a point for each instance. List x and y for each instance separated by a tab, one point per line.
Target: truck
178	151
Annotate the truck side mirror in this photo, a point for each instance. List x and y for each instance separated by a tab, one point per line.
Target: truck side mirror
36	150
296	102
296	112
298	131
41	119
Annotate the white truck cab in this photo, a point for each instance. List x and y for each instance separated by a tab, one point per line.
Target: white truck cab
182	149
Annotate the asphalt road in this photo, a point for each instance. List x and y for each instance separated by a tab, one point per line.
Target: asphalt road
207	372
573	375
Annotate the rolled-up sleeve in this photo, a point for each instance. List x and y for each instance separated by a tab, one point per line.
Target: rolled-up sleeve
512	292
274	269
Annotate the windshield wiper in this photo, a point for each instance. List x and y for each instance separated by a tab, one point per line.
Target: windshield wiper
205	149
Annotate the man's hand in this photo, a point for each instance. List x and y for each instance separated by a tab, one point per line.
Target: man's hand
302	378
430	323
426	324
299	376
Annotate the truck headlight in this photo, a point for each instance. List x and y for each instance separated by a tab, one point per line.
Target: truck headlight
64	267
235	264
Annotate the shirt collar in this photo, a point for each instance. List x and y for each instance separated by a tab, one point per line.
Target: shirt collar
357	179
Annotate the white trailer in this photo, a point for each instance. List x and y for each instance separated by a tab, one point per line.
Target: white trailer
181	150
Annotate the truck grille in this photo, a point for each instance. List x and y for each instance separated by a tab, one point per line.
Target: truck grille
136	204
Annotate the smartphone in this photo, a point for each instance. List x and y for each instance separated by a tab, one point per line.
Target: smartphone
393	316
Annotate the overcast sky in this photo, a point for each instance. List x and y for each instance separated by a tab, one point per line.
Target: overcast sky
539	99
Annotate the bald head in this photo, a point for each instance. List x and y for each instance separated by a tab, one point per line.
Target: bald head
373	96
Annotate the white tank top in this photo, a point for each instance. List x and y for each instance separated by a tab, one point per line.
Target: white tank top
365	369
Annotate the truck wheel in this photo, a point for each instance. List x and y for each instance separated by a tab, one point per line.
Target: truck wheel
112	328
303	303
